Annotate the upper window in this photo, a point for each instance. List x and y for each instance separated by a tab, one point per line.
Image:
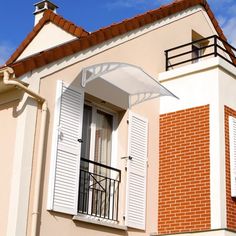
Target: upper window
198	47
196	52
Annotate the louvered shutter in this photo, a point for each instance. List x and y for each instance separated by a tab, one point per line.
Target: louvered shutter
136	172
64	179
232	138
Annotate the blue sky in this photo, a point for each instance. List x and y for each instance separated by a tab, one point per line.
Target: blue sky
17	19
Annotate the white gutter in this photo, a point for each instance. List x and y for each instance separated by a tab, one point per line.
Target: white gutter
7	71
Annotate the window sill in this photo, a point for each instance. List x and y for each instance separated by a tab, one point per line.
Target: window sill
97	221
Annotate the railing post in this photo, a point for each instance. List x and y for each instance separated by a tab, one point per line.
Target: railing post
215	46
167	60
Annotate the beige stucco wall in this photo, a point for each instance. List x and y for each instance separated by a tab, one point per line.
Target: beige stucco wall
49	36
8	118
146	51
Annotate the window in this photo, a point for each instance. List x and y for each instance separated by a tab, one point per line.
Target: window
83	179
196	52
198	46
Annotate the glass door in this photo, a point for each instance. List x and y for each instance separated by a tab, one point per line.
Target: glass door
95	150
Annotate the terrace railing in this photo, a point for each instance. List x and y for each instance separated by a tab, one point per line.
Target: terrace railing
195	51
99	190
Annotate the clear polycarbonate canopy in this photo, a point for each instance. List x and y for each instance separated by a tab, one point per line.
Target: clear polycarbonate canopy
131	79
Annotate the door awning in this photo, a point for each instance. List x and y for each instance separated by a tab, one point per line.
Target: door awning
131	79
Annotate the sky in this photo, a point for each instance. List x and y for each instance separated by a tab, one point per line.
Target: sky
17	18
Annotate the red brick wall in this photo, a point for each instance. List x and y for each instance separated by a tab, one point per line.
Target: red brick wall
230	202
184	174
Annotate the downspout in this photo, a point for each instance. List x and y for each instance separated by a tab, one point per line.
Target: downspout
7	71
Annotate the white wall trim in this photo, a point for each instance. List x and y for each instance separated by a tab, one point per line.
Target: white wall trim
216	168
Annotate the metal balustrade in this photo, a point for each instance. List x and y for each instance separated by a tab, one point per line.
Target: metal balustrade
195	51
99	190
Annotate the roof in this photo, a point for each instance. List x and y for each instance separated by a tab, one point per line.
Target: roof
86	40
49	16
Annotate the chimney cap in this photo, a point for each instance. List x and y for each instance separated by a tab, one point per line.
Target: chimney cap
44	5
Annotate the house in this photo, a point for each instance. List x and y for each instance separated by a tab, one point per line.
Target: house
90	148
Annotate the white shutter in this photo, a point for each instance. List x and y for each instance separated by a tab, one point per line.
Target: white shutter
232	138
136	172
64	176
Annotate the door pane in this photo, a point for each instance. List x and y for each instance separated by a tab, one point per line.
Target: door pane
86	132
84	166
103	137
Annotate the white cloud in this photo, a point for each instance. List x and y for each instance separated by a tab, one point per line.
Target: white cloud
6	50
221	20
229	27
220	4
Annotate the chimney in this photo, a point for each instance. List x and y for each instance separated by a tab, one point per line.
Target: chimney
41	7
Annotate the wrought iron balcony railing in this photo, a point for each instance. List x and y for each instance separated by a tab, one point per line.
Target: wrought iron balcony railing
99	190
195	51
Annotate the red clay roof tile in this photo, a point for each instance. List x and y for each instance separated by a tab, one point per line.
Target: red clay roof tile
135	22
107	33
72	29
87	40
93	39
84	42
39	60
75	45
19	69
62	23
122	28
141	19
56	19
115	30
100	36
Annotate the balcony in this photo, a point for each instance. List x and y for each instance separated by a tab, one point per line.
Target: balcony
199	50
99	190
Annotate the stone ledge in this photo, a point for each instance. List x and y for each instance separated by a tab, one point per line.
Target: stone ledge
101	222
